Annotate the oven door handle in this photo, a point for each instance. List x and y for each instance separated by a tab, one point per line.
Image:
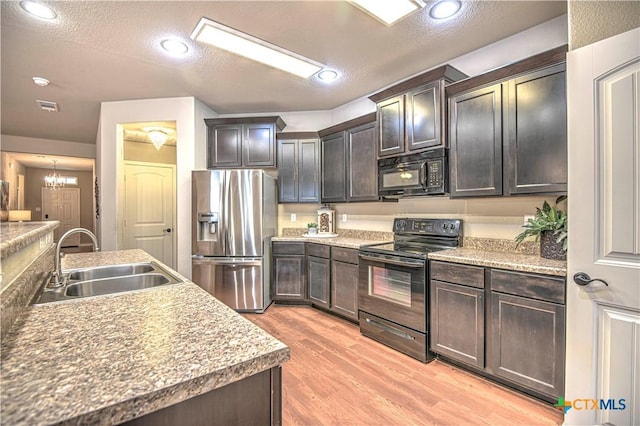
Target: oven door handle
408	264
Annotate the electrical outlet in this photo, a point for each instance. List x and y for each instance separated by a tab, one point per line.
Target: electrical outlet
527	217
344	217
293	217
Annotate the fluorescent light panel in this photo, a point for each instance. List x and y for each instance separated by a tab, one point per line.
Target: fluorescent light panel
234	41
389	11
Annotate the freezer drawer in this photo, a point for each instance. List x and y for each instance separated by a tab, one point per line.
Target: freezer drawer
237	282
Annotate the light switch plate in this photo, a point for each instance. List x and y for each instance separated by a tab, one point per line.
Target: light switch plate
293	217
344	217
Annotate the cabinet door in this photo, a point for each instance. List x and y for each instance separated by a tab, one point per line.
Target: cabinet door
333	169
308	171
362	164
319	277
457	322
287	171
344	289
391	132
224	146
536	136
528	343
423	117
259	145
288	278
475	137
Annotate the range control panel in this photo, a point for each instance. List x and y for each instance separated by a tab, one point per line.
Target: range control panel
419	226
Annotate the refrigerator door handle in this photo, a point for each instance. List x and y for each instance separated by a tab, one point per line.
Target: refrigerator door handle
229	261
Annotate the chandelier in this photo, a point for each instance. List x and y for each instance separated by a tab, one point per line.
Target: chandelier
53	180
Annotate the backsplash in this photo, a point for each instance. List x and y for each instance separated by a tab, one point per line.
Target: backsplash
493	244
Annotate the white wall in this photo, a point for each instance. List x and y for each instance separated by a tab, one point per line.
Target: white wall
47	146
109	159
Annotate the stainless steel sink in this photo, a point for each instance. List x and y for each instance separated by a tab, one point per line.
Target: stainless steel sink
110	279
109	271
115	285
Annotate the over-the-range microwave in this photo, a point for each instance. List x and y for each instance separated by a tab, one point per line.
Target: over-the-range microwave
424	173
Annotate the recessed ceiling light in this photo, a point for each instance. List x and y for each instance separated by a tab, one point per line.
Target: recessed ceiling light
234	41
327	75
38	10
39	81
389	12
445	9
174	47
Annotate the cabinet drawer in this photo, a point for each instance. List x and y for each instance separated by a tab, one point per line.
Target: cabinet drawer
459	274
528	285
318	250
288	248
344	255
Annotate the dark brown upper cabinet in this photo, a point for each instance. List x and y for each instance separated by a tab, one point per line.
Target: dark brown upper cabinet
349	167
242	141
410	115
508	129
298	167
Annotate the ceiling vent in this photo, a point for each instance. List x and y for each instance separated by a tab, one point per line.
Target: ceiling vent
48	106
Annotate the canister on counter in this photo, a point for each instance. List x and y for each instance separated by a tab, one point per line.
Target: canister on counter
326	220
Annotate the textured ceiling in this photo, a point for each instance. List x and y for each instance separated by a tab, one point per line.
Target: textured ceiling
108	51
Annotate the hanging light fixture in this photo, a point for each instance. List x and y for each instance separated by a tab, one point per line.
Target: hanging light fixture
54	180
157	137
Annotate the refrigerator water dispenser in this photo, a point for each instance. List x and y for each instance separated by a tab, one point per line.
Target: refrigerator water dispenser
207	226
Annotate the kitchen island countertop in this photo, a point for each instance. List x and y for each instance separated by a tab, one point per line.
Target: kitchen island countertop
108	359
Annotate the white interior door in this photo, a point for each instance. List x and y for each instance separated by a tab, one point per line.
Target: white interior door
62	204
149	209
603	322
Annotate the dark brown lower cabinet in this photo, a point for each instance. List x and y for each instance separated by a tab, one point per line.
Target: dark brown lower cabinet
512	330
319	274
344	282
457	322
289	272
256	400
527	342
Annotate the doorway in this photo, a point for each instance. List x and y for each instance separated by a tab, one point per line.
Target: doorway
63	205
148	198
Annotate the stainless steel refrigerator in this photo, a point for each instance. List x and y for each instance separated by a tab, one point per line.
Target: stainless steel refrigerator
234	217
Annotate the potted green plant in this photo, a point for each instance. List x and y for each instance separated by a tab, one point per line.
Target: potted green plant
549	225
312	228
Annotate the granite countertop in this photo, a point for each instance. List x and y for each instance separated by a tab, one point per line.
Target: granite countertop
15	236
348	238
338	241
503	260
108	359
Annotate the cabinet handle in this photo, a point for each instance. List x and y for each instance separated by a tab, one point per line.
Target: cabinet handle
583	279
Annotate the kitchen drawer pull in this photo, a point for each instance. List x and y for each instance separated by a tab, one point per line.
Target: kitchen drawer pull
393	261
390	329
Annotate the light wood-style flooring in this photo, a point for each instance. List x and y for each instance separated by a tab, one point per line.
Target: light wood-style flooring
336	376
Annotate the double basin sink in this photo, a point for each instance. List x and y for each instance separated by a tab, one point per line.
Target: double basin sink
111	279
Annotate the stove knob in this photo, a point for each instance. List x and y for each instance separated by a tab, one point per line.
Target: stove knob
444	226
400	225
452	226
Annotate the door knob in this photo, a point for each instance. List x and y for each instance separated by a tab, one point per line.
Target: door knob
583	279
168	230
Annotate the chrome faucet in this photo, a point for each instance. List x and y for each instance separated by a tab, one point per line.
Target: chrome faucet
57	280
